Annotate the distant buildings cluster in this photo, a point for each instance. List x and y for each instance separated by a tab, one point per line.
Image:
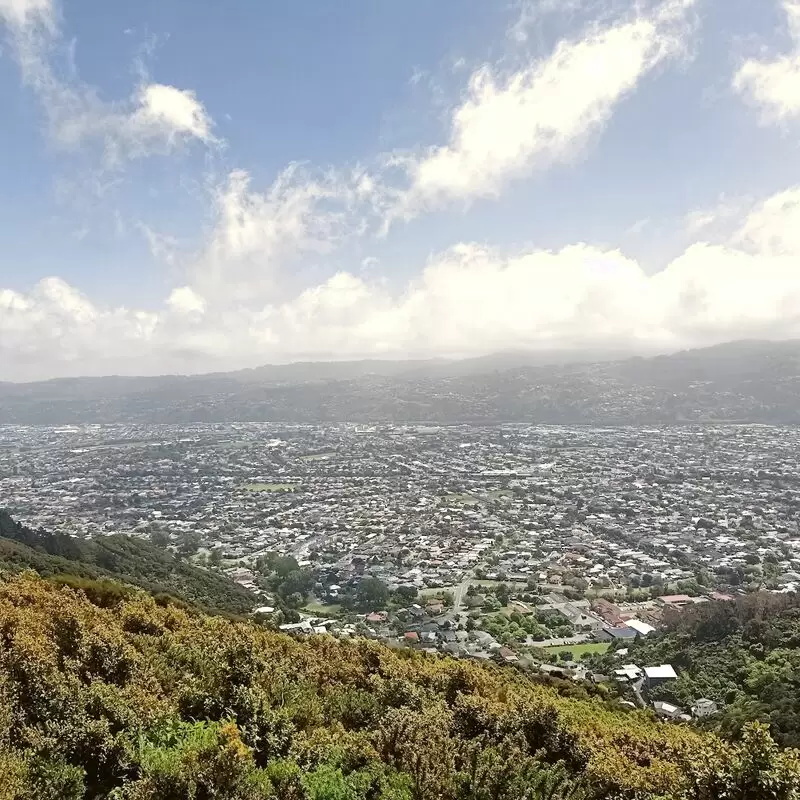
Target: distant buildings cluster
632	513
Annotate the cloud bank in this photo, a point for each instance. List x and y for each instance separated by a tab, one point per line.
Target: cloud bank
466	300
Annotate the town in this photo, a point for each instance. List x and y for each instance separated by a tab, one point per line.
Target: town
539	546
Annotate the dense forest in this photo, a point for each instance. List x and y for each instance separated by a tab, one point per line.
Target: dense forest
106	695
744	655
123	558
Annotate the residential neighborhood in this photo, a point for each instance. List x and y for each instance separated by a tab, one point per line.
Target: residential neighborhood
534	546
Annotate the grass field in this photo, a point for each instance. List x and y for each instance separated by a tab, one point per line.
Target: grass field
272	487
323	611
317	457
464	499
578	650
497	494
487	582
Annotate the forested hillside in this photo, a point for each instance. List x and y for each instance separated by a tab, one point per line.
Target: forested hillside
124	558
744	655
127	699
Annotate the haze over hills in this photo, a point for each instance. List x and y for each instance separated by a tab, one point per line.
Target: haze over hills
752	381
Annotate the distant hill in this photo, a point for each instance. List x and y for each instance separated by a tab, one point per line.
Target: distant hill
747	381
123	558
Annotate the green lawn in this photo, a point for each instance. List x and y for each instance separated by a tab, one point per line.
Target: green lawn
465	499
497	494
316	456
487	582
272	487
578	650
323	611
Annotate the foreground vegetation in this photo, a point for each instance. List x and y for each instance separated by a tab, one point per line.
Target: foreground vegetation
107	695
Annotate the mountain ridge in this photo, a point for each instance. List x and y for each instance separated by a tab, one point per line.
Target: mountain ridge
743	381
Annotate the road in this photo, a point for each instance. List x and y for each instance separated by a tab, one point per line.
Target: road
637	692
459	592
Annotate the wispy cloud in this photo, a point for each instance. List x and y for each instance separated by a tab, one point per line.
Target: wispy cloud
509	125
718	220
773	84
155	119
28	13
257	236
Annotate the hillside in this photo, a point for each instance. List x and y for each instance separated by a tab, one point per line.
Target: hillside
134	700
743	655
123	558
741	381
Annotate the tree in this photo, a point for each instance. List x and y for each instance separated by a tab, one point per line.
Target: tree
757	770
189	545
298	581
492	603
275	562
159	537
282	566
327	783
372	593
503	594
97	702
196	760
295	600
405	595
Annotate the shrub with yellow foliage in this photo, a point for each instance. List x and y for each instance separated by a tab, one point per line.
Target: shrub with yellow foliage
134	700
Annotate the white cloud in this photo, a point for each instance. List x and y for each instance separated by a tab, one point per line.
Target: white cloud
257	236
466	300
164	248
172	112
155	119
184	300
545	113
24	13
773	227
718	221
54	329
773	85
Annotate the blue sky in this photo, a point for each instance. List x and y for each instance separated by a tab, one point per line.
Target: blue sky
191	185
